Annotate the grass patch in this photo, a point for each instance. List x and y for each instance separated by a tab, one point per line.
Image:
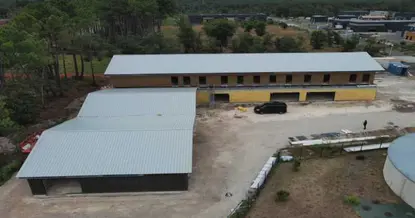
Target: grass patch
99	66
352	200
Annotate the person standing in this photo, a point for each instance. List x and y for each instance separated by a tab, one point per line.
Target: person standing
364	124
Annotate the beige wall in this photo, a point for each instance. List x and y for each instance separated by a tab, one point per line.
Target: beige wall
297	79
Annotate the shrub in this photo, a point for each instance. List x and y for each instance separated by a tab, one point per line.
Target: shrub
352	200
7	125
296	165
23	105
7	171
282	195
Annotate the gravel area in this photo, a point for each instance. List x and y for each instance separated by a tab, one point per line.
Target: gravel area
228	153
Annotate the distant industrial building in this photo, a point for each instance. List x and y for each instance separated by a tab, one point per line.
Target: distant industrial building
248	78
373	17
404	15
319	19
379	13
201	18
123	140
355	13
379	25
398	171
346	17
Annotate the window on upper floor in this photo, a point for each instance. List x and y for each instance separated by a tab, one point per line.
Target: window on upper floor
186	80
202	80
272	79
257	79
175	80
307	78
224	80
366	78
288	79
352	78
240	80
326	78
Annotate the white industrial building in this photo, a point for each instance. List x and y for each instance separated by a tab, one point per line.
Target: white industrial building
399	169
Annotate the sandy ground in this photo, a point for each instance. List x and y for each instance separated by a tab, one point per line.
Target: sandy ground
228	153
321	185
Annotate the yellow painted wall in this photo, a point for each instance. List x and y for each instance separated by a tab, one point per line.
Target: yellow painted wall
202	97
355	95
249	96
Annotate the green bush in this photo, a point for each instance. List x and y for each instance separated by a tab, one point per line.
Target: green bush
296	165
7	125
7	170
352	200
282	195
23	105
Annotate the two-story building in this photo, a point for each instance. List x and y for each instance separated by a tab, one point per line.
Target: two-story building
242	78
409	34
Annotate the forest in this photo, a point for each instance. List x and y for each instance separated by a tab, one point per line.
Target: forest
285	8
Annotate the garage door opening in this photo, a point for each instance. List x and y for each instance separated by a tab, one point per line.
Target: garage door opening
222	98
289	96
62	186
321	96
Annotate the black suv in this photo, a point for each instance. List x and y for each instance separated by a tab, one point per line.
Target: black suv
274	107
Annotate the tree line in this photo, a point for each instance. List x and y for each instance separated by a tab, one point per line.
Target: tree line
36	43
292	8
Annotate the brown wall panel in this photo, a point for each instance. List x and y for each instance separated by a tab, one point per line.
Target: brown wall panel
281	78
297	79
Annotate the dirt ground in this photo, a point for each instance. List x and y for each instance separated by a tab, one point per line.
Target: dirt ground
55	108
228	154
318	189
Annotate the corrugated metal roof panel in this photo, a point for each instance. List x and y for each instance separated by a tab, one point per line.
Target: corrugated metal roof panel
77	154
241	63
139	102
140	123
120	132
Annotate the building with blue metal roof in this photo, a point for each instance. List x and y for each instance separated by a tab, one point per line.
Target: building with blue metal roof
253	77
123	140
